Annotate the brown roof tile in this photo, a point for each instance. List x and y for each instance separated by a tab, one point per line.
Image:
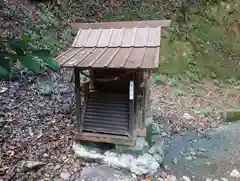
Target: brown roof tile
125	37
117	47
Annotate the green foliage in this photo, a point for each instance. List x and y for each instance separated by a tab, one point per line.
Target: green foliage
51	64
236	91
196	44
180	92
160	80
43	34
3	72
26	53
32	63
174	82
202	41
207	111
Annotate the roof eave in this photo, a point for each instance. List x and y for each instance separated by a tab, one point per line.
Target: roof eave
125	24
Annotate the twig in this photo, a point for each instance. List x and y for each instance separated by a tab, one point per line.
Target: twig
226	95
11	178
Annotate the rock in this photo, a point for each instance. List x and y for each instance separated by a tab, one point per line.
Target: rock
164	134
175	161
143	164
187	116
152	129
171	178
159	158
122	161
213	75
156	138
235	173
101	172
185	178
193	153
224	179
32	165
157	151
215	180
65	175
3	89
147	162
231	115
160	179
156	128
189	158
157	148
208	179
202	150
88	154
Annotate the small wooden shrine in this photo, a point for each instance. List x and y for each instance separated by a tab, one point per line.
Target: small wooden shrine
119	57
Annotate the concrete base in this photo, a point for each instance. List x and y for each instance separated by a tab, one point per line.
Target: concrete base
140	147
143	158
142	132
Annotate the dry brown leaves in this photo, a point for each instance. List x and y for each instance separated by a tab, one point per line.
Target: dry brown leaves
37	128
171	106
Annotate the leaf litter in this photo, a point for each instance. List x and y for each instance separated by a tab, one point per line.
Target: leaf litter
183	106
37	128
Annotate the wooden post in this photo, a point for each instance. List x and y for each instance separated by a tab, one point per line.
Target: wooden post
131	123
78	99
139	106
92	79
146	98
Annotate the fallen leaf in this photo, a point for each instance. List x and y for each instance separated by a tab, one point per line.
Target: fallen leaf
10	153
3	171
40	134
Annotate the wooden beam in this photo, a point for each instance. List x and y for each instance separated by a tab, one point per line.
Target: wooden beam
104	138
125	24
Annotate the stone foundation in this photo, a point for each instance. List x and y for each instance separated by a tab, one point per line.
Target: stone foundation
144	158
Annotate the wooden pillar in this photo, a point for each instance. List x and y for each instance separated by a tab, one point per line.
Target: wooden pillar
78	99
139	107
141	130
146	103
92	79
132	97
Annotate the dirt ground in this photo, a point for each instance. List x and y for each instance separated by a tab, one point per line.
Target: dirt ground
199	108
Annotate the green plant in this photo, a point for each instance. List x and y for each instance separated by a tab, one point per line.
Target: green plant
207	111
160	80
236	91
180	92
25	52
174	81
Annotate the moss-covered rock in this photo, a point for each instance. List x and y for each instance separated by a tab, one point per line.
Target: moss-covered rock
231	115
